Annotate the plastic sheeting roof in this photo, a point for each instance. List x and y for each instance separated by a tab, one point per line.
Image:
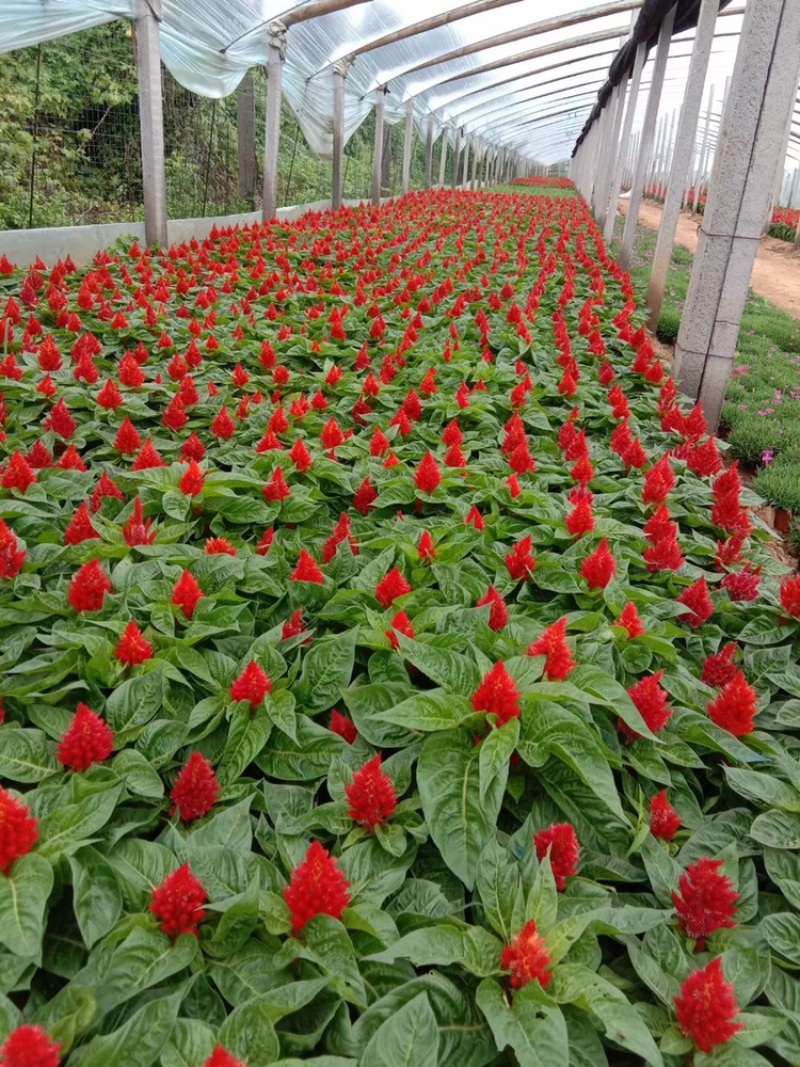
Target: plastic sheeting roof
531	94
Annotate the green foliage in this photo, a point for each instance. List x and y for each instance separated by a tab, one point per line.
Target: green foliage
669	324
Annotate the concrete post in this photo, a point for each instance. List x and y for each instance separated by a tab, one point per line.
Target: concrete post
272	130
655	163
666	161
774	199
465	169
703	158
429	154
456	151
600	197
377	148
340	72
151	121
611	159
748	150
407	142
698	69
795	191
443	156
246	138
646	148
623	142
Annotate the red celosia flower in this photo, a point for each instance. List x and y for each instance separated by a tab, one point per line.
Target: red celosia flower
391	587
222	425
80	527
147	457
186	592
371	796
178	903
427	475
790	596
664	819
562	841
743	585
706	1007
106	487
133	647
11	556
220	1057
658	482
317	887
497	695
600	567
252	685
307	569
527	958
365	496
498	613
580	520
219	546
427	549
552	643
343	726
277	487
60	421
664	555
736	706
474	518
705	901
88	587
300	456
196	789
402	624
294	626
720	669
127	439
520	561
651	703
137	530
29	1046
18	473
18	830
87	740
192	479
698	601
630	621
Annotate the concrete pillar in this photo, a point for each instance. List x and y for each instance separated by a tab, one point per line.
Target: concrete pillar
655	162
646	146
703	158
600	192
429	154
246	138
794	195
476	167
456	151
275	56
151	121
698	69
613	153
465	169
443	156
407	142
779	173
751	140
340	72
377	148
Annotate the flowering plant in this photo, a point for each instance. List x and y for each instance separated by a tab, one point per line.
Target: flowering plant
374	685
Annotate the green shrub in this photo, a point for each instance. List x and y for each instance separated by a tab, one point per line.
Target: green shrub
668	325
779	484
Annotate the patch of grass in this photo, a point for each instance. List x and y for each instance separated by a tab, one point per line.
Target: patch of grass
669	324
779	483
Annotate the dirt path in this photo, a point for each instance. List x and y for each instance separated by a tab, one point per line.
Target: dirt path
776	272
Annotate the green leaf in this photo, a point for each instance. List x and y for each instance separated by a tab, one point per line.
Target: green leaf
68	1015
537	1033
248	1033
499	885
782	932
777	829
65	829
597	686
192	1041
138	774
26	755
96	895
248	734
134	703
460	822
763	788
306	759
145	958
280	707
427	711
364	702
408	1039
446	668
496	750
327	670
24	892
139	1041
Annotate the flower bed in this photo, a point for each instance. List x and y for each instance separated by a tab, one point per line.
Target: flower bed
391	671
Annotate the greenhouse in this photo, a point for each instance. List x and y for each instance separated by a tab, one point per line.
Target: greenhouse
399	533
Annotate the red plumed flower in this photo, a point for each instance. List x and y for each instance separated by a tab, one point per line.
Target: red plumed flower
736	706
307	569
88	587
29	1046
147	457
562	841
427	475
222	425
371	796
705	901
60	421
427	549
220	1057
192	480
317	887
18	473
402	624
706	1007
474	518
658	482
743	585
106	487
497	695
133	647
698	601
80	527
219	546
391	587
498	612
87	740
277	487
127	439
520	561
18	830
365	496
343	726
196	789
664	555
664	819
651	703
178	903
186	592
252	685
580	520
552	643
138	530
630	621
600	567
11	555
790	596
720	669
300	456
294	626
527	958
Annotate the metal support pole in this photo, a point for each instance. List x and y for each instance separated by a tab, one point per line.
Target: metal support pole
340	71
656	84
748	151
698	69
151	121
443	156
272	127
246	138
429	154
377	149
409	137
624	141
